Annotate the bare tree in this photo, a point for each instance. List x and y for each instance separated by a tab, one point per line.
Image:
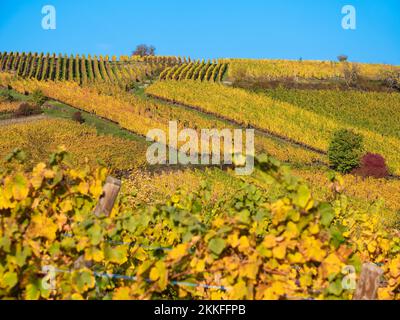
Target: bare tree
144	50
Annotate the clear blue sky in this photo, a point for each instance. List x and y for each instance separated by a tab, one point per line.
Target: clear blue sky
291	29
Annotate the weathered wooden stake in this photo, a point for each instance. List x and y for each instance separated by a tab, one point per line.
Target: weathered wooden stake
368	284
108	197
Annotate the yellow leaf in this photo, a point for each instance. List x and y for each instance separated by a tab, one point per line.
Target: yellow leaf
233	240
275	291
96	188
20	187
182	293
66	206
38	175
178	252
331	265
122	293
5	202
372	246
269	241
83	188
305	280
385	245
313	249
249	270
244	244
94	254
279	252
394	267
76	296
218	223
162	274
42	226
291	231
239	290
385	294
154	274
314	229
200	266
296	258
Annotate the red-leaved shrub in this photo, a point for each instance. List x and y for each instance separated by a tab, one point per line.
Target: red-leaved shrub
372	165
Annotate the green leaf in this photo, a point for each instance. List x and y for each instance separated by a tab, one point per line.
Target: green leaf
68	243
116	255
327	214
95	234
21	255
217	245
16	154
303	196
336	288
356	262
32	292
83	280
337	235
10	279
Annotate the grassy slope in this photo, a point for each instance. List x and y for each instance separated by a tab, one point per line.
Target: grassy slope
40	138
103	127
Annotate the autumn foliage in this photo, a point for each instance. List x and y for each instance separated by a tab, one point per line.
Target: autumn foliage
243	247
372	165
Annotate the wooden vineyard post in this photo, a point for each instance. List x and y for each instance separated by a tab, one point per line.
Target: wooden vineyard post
108	197
368	284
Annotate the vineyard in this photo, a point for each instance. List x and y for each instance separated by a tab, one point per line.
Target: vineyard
140	116
300	246
41	138
240	69
82	69
199	71
279	117
7	107
379	112
286	232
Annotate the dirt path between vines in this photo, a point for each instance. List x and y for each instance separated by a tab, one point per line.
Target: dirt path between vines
11	121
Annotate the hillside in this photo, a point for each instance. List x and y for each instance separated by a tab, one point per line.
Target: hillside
193	231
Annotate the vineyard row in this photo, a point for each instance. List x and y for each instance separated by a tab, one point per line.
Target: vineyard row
202	71
80	69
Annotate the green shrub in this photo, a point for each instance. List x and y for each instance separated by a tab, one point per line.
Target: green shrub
38	98
345	150
6	96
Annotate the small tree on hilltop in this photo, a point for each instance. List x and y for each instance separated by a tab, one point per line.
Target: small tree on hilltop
144	50
343	58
